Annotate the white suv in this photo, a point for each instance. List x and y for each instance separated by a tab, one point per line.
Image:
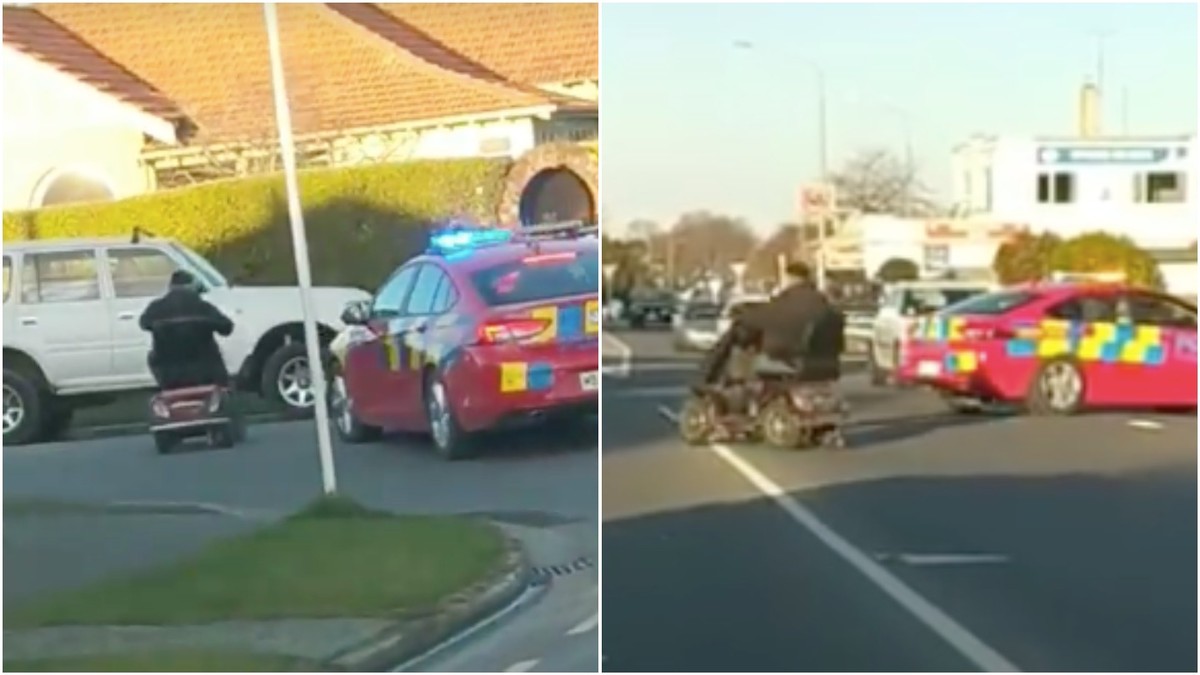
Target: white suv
901	305
71	332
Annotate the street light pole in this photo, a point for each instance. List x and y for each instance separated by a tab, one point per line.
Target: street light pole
287	149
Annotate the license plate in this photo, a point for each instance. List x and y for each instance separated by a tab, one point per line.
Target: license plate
929	368
589	381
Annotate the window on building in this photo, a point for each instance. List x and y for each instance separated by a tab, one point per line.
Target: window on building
1159	187
1055	188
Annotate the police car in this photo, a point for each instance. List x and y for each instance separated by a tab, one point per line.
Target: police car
489	328
1058	347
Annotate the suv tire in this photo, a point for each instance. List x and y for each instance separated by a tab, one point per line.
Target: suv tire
280	373
26	402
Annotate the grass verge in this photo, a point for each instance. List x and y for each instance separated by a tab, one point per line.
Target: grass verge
334	559
205	661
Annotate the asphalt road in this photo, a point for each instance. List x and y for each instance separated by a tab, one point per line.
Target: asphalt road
932	543
542	487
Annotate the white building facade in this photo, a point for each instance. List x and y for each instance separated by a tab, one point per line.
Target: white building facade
1145	188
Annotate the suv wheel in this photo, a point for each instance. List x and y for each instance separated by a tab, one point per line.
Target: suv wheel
449	438
341	411
287	379
24	408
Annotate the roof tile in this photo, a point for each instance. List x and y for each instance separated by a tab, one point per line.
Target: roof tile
212	59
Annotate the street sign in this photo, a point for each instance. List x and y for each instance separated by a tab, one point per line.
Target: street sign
816	201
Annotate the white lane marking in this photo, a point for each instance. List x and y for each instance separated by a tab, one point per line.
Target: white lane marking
954	634
624	355
586	625
936	559
522	666
647	392
1148	425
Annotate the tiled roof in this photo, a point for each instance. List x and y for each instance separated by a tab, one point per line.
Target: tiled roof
535	43
342	73
34	34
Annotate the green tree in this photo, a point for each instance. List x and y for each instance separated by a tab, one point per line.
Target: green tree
1103	252
1025	257
898	269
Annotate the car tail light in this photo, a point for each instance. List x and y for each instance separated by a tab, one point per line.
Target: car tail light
502	331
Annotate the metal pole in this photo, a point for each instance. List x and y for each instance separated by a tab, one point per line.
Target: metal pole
823	164
283	119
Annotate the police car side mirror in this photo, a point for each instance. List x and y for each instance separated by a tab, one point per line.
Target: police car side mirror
356	313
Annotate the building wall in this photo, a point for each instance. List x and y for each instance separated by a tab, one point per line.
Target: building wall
53	123
970	246
998	178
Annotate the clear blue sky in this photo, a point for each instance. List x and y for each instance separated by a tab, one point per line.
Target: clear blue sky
689	121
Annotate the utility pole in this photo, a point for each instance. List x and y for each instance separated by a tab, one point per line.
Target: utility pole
1101	38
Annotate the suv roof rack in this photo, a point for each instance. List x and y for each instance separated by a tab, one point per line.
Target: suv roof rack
561	230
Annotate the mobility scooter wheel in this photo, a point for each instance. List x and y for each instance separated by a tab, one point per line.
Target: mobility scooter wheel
783	427
222	437
697	420
165	442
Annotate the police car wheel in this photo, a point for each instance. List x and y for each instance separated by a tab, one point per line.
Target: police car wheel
341	413
451	442
1057	389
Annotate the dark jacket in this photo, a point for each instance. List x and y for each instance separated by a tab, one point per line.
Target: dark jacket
184	328
788	324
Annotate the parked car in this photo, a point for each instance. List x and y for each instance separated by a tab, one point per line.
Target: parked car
488	329
899	308
71	334
1058	348
707	325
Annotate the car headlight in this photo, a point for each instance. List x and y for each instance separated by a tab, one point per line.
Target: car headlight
160	409
214	401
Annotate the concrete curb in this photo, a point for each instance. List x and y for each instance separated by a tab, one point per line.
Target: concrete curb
408	640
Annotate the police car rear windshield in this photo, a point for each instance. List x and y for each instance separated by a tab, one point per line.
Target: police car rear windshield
991	304
538	277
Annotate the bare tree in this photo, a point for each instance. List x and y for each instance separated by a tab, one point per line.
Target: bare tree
876	181
788	241
701	241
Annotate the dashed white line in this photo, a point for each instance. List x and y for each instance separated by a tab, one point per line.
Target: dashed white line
954	634
624	356
586	625
522	666
1148	425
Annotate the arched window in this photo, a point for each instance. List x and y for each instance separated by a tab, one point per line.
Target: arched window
71	186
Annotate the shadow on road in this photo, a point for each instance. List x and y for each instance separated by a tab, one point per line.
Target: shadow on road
515	444
1100	577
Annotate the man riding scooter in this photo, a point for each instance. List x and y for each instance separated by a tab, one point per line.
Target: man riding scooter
798	335
184	328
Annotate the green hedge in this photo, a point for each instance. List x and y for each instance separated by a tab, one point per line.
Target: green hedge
361	221
1029	257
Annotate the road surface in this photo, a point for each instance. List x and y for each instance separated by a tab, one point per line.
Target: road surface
543	490
933	543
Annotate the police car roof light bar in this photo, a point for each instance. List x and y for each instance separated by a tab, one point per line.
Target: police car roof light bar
463	238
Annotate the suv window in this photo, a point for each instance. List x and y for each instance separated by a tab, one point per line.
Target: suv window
139	272
1088	308
390	298
421	301
7	277
1158	311
65	276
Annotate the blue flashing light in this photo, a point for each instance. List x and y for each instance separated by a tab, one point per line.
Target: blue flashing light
464	240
